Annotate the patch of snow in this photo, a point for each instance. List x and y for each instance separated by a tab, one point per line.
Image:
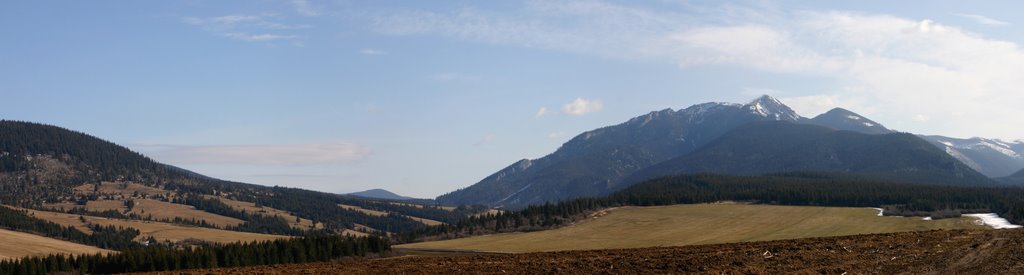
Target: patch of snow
516	193
926	218
947	143
1002	150
853	117
992	220
880	211
869	124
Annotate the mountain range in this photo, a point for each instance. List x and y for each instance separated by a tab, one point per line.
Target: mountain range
763	136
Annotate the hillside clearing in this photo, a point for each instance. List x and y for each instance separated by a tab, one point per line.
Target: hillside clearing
251	208
160	231
678	225
15	245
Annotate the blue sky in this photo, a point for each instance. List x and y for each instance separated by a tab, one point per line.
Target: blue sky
424	97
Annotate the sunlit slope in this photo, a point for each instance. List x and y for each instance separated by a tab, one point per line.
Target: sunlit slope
678	225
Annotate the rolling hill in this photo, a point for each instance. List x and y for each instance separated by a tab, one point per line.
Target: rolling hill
48	168
380	194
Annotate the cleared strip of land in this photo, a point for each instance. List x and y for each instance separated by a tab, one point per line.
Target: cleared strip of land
678	225
158	230
14	245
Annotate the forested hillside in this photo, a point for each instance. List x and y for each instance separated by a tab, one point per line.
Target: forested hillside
48	165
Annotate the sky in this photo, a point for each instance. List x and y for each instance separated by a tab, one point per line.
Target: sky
425	97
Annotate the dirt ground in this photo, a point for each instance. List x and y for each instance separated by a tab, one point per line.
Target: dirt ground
930	252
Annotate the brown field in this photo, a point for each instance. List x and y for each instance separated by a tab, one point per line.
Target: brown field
15	245
928	252
104	205
164	210
425	221
160	231
354	233
121	188
677	225
382	213
251	208
364	210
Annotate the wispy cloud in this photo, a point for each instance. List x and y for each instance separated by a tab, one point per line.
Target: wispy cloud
252	28
268	155
540	112
582	106
304	8
369	51
984	20
905	67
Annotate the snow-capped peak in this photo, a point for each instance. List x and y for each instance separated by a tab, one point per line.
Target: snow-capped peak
770	107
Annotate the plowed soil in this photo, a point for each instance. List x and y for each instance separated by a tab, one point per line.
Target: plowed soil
936	252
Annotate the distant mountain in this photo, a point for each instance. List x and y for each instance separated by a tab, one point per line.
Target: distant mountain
595	162
842	119
380	194
600	161
1015	179
774	147
992	157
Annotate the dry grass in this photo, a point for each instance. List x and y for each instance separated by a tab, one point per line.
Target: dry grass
677	225
164	210
425	221
251	208
160	231
382	213
15	245
104	205
364	210
124	189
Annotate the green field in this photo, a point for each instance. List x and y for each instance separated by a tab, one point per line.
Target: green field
677	225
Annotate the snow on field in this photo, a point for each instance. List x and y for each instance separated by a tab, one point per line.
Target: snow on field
926	218
880	211
993	220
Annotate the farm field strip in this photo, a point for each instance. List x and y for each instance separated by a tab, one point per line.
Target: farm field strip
14	245
678	225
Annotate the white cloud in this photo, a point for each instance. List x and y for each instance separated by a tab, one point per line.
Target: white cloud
540	112
258	37
556	135
896	67
250	28
265	155
485	140
304	8
372	52
984	20
582	106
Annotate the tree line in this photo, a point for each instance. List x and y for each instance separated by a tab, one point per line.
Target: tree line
109	237
312	248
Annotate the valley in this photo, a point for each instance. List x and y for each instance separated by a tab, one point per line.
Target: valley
697	224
